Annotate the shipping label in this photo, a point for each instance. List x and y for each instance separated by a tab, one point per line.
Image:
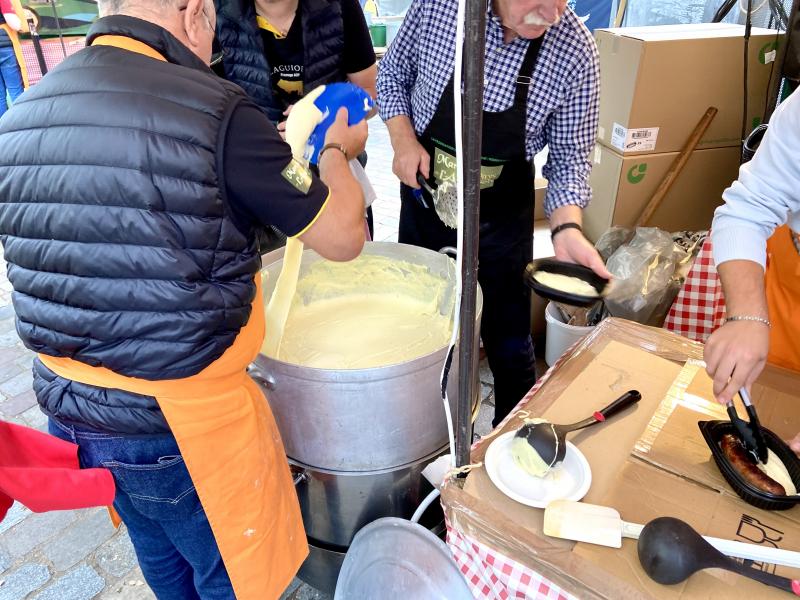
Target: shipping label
642	139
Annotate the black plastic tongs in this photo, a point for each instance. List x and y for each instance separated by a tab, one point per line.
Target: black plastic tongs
750	433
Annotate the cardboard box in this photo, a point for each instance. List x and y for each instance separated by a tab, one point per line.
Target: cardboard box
657	82
647	463
623	185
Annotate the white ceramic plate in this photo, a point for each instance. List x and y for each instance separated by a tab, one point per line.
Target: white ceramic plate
570	481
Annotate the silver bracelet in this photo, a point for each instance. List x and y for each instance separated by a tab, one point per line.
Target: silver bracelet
749	318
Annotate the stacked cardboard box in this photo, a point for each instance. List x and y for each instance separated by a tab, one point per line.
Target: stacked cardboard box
656	83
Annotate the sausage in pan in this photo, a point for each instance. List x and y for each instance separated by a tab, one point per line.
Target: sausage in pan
736	454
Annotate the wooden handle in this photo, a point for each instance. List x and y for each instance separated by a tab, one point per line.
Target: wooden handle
677	166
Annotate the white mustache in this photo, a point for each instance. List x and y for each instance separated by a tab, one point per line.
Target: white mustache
534	19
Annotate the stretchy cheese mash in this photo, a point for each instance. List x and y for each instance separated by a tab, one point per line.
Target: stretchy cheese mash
566	283
369	312
526	457
776	470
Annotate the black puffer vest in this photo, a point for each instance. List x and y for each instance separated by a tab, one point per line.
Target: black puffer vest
120	245
244	60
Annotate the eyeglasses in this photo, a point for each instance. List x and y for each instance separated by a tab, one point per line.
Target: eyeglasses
216	58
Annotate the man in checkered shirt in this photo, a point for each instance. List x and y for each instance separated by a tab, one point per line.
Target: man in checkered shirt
541	87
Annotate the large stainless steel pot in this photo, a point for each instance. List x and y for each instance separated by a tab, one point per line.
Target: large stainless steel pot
362	419
336	504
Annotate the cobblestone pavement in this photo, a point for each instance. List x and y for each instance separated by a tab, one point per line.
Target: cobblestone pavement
77	555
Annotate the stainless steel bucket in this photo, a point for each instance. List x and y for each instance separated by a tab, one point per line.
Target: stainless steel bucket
336	504
362	419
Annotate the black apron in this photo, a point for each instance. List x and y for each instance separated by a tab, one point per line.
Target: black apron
506	231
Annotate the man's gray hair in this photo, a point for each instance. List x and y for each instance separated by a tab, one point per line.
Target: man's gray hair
115	7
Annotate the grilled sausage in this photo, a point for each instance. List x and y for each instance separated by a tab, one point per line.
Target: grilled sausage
736	454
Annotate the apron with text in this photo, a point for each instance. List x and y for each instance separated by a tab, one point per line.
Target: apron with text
506	230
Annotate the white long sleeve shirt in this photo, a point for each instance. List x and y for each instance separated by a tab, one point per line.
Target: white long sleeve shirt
766	195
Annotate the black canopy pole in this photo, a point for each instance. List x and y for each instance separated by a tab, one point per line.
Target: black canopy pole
37	46
474	44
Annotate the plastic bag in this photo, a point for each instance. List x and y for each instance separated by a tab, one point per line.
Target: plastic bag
612	239
645	283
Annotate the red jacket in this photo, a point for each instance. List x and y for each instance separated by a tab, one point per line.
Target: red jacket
42	472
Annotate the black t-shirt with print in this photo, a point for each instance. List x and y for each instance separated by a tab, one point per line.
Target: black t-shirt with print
286	57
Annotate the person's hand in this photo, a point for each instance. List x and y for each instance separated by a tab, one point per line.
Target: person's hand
354	138
282	125
571	246
410	158
735	355
794	444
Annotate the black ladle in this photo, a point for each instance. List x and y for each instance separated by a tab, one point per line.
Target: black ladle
670	551
549	440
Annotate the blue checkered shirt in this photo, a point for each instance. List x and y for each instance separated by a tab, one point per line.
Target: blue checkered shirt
563	100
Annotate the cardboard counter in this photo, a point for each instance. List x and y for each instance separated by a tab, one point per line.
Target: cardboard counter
648	462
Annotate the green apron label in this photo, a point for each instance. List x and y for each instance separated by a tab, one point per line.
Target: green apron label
444	169
299	176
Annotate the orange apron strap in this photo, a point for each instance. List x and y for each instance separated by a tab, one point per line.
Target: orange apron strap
14	36
126	43
783	298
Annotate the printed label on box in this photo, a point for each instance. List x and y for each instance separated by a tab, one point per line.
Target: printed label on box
634	140
618	136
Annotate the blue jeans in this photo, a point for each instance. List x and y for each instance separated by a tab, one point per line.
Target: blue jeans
10	78
157	501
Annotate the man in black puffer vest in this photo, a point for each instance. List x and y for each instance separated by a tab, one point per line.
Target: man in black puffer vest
132	184
280	50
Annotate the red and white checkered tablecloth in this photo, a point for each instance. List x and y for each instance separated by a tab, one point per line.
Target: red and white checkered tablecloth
699	308
492	575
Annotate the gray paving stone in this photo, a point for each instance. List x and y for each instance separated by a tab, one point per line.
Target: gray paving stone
36	529
35	418
487	393
9	369
290	591
26	362
117	557
132	587
16	513
28	578
18	404
8	339
486	373
82	583
7	325
306	592
5	560
17	384
483	424
7	311
82	538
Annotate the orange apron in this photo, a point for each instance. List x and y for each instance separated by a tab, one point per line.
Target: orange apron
783	298
232	448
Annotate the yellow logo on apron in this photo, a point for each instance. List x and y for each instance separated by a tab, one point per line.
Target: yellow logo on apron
444	169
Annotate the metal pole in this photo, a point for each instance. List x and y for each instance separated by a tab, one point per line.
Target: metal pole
58	26
37	46
474	44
